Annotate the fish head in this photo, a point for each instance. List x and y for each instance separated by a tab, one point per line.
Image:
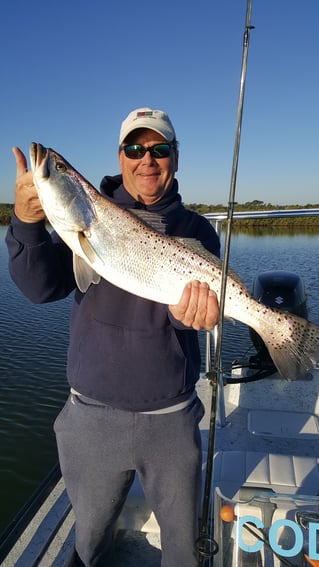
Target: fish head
64	194
68	202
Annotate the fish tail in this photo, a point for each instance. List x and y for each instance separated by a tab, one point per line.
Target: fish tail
293	344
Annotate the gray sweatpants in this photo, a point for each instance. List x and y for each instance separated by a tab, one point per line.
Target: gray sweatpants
100	448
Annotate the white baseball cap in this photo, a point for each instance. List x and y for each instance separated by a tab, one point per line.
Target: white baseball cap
156	120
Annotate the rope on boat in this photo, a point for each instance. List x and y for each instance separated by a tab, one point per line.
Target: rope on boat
207	546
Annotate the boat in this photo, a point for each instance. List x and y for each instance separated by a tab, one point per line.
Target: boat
263	495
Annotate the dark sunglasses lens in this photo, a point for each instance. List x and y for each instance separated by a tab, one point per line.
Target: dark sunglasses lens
161	150
135	151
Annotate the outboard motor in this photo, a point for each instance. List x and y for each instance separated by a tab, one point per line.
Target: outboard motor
282	290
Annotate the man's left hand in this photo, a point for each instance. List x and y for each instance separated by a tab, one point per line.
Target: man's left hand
197	308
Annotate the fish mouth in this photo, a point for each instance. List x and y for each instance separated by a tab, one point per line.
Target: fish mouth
38	155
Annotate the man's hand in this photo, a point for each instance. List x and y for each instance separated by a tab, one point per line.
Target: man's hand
197	308
27	206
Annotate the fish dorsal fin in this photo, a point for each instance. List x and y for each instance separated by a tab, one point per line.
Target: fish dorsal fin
153	220
84	274
197	247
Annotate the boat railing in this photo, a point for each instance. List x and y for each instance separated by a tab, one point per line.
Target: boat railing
218	218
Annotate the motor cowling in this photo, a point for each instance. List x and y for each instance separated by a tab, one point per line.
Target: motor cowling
282	290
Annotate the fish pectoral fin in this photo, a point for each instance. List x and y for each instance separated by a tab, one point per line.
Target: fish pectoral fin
87	249
84	274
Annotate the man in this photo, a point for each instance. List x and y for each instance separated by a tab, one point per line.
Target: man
132	363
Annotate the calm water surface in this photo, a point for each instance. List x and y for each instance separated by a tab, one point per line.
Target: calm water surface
33	343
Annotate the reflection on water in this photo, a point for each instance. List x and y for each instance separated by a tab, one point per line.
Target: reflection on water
33	343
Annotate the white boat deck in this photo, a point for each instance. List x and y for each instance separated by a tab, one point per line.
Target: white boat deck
274	412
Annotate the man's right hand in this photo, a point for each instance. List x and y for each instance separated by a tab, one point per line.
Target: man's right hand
27	206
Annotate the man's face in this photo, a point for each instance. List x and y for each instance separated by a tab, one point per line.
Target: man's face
148	178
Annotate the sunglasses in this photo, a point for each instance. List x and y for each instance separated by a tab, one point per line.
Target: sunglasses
137	151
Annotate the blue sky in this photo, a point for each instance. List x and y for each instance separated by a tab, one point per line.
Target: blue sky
71	70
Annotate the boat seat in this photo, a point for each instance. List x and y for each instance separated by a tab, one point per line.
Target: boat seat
287	474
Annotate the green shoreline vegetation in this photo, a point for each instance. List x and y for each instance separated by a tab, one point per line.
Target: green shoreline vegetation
5	213
264	225
308	222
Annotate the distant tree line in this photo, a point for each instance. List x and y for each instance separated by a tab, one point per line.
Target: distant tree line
256	205
5	213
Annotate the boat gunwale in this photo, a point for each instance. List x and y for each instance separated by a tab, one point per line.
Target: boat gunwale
10	535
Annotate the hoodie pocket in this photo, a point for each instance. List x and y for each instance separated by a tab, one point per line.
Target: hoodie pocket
129	367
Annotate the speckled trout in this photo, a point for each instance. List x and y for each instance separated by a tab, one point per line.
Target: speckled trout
111	242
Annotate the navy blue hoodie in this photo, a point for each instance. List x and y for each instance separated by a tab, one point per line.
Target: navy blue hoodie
124	350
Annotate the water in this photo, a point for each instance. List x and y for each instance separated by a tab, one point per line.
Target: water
33	343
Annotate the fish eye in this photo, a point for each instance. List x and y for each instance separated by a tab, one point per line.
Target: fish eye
60	167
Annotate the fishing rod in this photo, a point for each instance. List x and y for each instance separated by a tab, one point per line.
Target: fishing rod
207	546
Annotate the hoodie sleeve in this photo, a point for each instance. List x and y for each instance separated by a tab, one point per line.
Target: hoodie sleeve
40	264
